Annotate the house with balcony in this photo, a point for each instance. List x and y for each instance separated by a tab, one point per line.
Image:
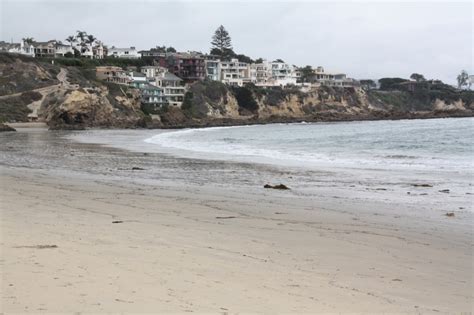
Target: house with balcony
188	66
130	53
234	72
62	50
152	97
173	90
112	74
283	74
45	49
151	72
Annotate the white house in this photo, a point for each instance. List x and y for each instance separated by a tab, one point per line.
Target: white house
21	48
131	52
62	50
151	72
283	74
234	72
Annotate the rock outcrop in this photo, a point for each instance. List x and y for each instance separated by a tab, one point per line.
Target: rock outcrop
71	98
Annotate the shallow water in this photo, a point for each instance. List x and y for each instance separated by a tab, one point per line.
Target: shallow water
345	171
404	144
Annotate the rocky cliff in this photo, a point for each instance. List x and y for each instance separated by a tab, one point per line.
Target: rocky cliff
71	97
212	103
64	97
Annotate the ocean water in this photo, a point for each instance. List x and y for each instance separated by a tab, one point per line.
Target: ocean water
431	144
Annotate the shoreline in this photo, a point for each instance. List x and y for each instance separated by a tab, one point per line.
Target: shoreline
229	122
185	242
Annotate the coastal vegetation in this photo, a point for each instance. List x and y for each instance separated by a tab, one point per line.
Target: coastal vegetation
86	101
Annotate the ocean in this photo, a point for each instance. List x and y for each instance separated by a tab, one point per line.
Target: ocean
430	144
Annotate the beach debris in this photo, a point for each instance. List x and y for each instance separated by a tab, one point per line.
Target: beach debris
123	301
280	212
380	188
228	217
422	185
449	214
135	168
38	246
118	221
396	279
280	187
446	191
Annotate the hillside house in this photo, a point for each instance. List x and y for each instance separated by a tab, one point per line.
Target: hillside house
130	53
112	74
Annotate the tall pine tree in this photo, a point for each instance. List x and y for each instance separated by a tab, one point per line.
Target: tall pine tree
221	42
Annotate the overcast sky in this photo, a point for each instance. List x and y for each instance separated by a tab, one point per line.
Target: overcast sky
362	39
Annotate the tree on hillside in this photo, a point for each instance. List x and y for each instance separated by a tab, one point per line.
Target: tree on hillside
71	39
221	42
243	58
259	60
307	73
367	84
279	61
390	83
417	77
170	49
90	39
463	78
29	40
81	35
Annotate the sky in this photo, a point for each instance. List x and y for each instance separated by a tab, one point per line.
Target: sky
365	39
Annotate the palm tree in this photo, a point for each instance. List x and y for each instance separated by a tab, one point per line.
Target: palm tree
90	39
28	40
81	35
71	39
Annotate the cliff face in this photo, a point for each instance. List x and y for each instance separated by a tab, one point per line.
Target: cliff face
92	107
64	97
71	97
210	103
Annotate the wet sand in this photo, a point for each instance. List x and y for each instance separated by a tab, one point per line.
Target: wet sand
83	232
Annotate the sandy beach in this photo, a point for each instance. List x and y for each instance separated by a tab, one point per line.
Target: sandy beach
82	231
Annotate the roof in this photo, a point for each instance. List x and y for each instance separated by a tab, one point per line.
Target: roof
138	74
170	77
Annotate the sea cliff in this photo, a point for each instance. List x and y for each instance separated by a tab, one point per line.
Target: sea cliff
72	98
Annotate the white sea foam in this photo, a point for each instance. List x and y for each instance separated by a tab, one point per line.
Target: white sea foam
417	144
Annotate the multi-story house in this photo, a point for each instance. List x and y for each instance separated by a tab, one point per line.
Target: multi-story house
112	74
152	97
332	79
45	49
131	52
213	70
272	73
172	88
283	74
62	50
188	66
151	72
260	73
234	72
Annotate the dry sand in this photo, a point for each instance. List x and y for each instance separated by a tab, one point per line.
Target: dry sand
211	249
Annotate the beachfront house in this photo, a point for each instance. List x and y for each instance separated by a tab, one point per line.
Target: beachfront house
151	72
234	72
173	91
152	97
112	74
